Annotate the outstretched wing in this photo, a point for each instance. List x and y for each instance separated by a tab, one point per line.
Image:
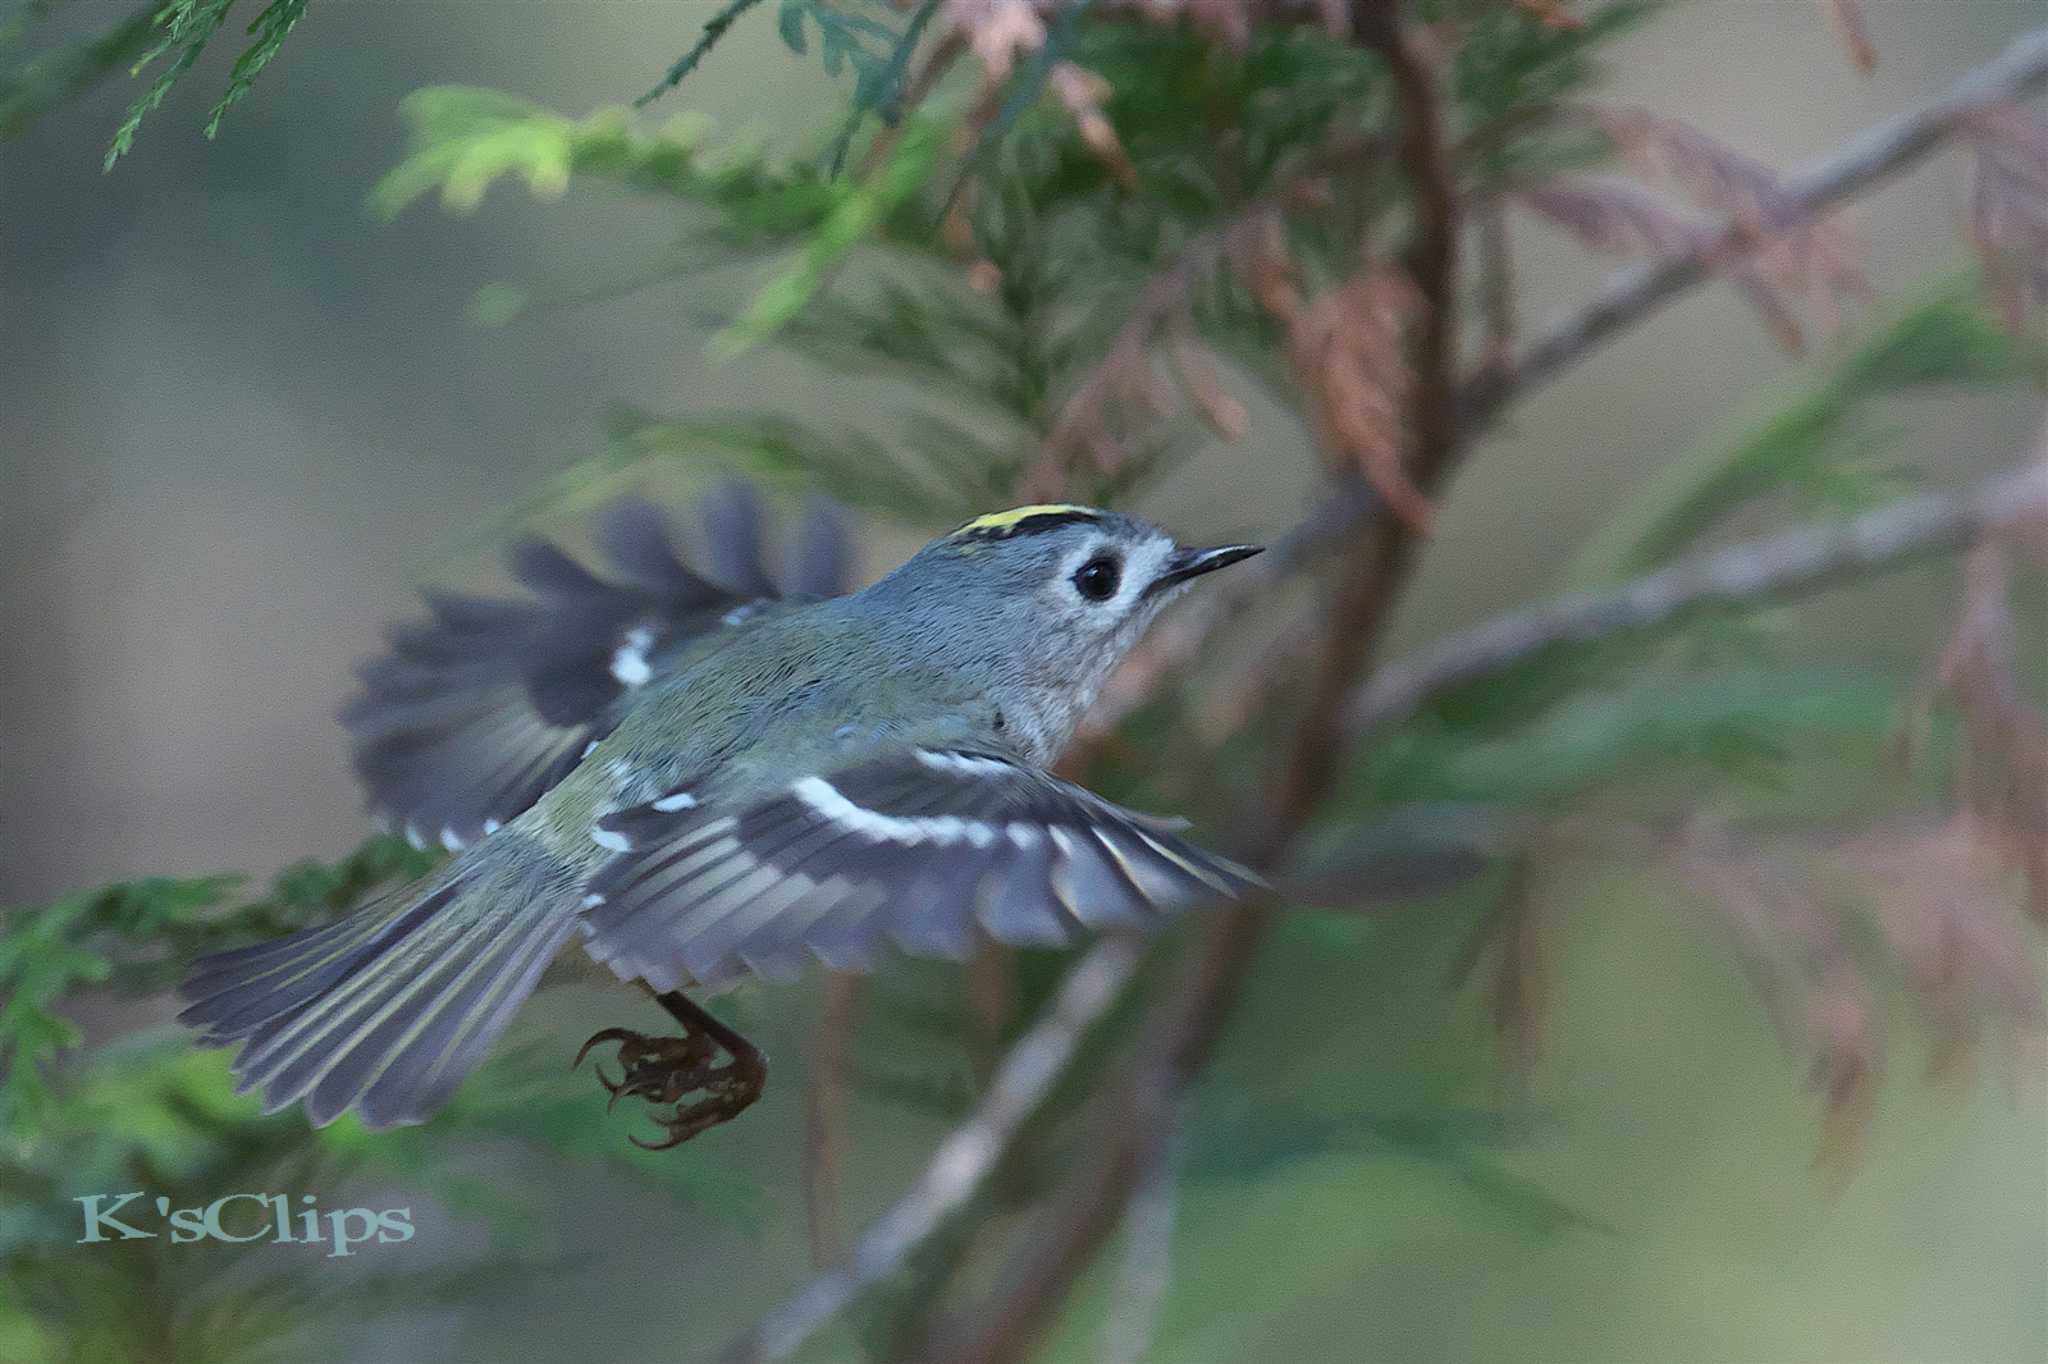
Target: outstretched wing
478	711
924	849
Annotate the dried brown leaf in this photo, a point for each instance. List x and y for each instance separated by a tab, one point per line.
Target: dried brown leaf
1082	92
1610	216
1196	368
1795	950
984	276
1348	348
1804	257
1614	216
2001	768
1551	12
1948	910
1229	22
1713	174
2008	213
1847	16
1847	1065
998	32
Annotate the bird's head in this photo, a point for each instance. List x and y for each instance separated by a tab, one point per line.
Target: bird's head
1053	592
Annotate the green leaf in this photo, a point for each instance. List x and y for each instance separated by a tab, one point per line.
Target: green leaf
858	211
186	27
1808	440
1244	1145
789	22
34	88
714	30
1736	719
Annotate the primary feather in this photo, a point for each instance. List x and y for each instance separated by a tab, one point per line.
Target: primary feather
478	711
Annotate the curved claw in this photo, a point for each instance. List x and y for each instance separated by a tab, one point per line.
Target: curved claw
619	1035
665	1070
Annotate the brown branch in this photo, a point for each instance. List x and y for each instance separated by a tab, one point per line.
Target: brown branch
1182	1029
825	1114
962	1162
1147	1266
1630	296
1882	151
1792	563
1496	284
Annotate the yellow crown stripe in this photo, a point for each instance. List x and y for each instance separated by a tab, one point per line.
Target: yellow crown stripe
1003	520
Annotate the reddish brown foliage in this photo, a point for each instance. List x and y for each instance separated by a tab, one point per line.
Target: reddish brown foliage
1347	347
1796	253
2009	211
2001	771
1552	12
1618	217
1946	906
1848	20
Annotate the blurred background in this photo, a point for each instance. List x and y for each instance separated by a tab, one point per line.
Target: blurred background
241	420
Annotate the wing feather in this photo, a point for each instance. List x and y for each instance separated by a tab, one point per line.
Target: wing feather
926	850
477	711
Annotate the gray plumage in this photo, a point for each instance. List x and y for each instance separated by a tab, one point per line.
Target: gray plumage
703	781
473	714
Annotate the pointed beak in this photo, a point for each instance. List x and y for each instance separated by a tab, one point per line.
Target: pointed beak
1193	563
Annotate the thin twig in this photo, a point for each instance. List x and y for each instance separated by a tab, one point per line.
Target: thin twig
714	29
1881	152
1147	1265
962	1162
1180	1032
825	1114
1792	563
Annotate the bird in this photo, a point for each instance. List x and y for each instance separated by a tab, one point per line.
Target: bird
696	779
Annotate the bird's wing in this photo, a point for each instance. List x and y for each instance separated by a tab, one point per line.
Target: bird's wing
924	849
473	714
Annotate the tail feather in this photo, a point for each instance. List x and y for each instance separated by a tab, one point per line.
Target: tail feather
386	1010
233	999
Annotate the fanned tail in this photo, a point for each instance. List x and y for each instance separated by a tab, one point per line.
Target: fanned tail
386	1010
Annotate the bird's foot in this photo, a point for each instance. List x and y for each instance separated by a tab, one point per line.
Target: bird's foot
667	1070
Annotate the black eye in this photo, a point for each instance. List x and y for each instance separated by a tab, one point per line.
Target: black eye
1097	579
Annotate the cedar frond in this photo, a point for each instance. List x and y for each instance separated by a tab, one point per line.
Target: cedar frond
1608	215
1942	900
998	32
1796	951
2001	772
1082	93
1348	348
1803	256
